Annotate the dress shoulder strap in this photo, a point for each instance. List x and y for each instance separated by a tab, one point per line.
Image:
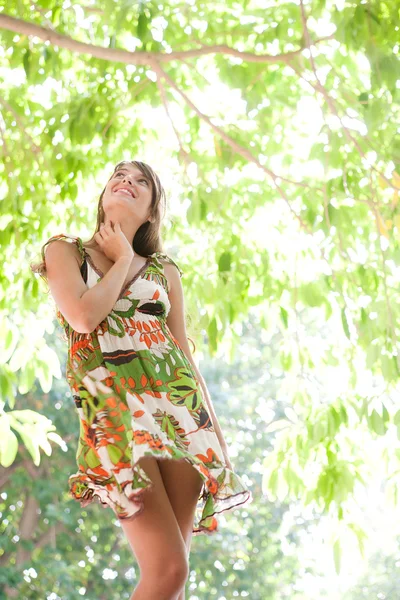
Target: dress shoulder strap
67	238
156	257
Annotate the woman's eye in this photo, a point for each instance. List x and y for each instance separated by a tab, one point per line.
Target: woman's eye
142	179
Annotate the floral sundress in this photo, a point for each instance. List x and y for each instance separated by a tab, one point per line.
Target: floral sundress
136	394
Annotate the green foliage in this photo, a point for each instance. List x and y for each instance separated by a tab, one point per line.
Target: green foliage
290	178
379	578
69	548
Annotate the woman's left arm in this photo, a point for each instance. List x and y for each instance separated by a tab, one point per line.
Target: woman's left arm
176	324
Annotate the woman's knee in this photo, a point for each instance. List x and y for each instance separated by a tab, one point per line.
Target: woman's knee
169	577
176	571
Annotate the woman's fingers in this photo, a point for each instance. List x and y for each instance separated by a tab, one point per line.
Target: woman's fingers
98	238
106	229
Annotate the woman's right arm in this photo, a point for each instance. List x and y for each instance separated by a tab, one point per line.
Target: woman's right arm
83	308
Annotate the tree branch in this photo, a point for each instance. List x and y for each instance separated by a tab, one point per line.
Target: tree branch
227	138
182	152
49	534
139	57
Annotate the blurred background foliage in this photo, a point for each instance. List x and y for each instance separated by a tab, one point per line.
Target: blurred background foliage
274	128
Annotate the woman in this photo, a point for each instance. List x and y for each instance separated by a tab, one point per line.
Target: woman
150	444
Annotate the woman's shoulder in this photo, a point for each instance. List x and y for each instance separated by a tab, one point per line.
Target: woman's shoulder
162	258
64	237
74	240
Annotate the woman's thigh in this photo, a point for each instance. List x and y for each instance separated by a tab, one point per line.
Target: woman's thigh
183	485
154	535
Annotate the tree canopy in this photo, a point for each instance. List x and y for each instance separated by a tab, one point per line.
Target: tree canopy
274	126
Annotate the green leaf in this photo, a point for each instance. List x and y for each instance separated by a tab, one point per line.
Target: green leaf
224	262
30	444
27	63
396	418
343	415
273	482
55	15
212	331
376	423
45	377
311	295
345	323
389	367
385	414
8	442
319	432
285	360
8	449
142	27
337	554
284	316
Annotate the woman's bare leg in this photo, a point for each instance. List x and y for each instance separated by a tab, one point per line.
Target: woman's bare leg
157	542
183	486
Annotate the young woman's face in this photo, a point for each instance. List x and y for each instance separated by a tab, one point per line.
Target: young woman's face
133	206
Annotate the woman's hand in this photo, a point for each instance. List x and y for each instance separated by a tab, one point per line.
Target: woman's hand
113	242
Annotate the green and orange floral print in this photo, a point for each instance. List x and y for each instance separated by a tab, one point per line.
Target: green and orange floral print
137	394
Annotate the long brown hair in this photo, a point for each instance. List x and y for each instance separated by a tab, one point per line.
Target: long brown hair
148	237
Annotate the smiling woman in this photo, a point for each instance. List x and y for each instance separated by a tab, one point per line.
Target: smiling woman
126	189
150	445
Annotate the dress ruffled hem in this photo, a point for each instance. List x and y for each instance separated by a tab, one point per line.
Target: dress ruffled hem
127	503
